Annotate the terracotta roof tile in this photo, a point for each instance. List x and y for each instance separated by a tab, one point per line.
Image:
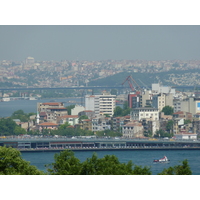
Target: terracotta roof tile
48	124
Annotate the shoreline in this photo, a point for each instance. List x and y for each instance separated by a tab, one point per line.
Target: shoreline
107	149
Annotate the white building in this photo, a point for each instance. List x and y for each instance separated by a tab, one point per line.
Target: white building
100	104
144	113
157	88
71	119
77	109
185	136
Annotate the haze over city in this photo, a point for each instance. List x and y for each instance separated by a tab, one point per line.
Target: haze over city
85	42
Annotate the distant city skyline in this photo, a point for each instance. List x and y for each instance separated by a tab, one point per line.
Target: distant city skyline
93	43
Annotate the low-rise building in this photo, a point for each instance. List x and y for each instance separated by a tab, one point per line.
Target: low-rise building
132	129
47	125
144	113
86	124
71	119
185	136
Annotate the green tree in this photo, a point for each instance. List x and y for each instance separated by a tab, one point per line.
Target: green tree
168	110
83	117
11	163
64	126
65	164
187	121
118	111
183	169
160	133
18	131
7	126
69	108
169	126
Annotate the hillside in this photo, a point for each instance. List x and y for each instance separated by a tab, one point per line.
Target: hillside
146	79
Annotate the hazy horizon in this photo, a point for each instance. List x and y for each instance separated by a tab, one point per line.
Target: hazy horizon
100	42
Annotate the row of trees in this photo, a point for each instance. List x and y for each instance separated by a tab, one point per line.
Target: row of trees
65	163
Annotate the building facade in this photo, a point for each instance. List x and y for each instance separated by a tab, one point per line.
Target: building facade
100	104
144	113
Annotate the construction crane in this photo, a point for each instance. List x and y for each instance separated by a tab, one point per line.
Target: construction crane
130	80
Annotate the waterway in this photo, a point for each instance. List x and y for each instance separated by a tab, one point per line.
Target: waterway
138	157
8	107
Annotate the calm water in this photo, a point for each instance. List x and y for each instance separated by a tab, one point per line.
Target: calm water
8	107
142	158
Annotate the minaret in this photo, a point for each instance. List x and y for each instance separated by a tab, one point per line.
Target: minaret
38	118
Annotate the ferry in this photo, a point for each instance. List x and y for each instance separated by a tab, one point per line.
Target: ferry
161	160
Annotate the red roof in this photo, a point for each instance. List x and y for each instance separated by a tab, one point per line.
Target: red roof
43	114
86	120
48	124
58	108
88	111
52	104
69	116
179	112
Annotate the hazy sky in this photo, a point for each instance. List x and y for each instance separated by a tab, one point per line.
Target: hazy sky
99	42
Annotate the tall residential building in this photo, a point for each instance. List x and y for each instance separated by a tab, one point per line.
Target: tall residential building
190	104
134	100
161	100
100	104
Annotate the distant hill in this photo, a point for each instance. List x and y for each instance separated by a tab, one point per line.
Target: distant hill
142	79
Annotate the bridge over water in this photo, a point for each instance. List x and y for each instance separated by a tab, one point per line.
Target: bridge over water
82	87
64	88
57	144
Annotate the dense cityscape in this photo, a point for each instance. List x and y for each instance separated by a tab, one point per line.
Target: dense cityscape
141	114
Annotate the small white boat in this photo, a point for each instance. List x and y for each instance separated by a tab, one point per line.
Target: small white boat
161	160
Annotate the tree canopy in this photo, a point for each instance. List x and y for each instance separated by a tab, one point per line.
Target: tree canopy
65	163
23	117
168	110
11	163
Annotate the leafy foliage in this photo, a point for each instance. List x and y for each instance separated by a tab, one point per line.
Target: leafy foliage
7	126
69	108
169	126
183	169
23	117
168	110
11	163
122	111
67	164
162	134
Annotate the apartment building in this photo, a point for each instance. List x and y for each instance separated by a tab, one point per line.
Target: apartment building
161	100
144	113
52	110
132	129
100	104
190	104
